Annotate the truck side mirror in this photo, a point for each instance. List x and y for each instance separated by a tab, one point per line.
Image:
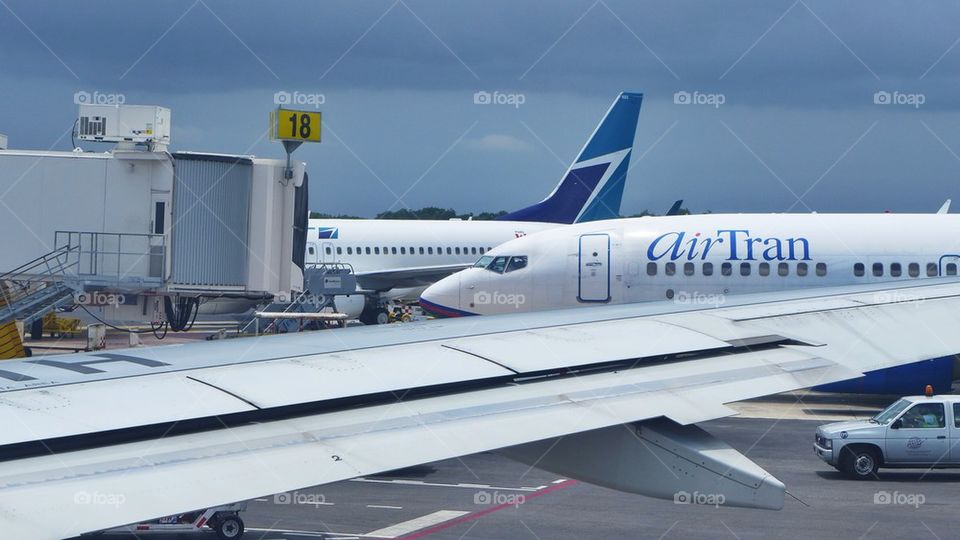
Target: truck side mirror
897	424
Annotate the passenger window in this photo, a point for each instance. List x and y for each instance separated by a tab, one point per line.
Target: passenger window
473	251
932	269
895	270
877	269
430	250
956	414
707	269
457	251
764	269
376	251
923	415
449	251
421	251
821	269
858	269
688	269
329	250
368	250
517	262
498	264
481	251
913	269
651	268
393	250
670	269
403	251
745	269
726	269
951	269
783	269
311	251
801	269
339	251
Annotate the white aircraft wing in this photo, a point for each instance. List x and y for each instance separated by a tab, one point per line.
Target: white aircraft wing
415	276
607	394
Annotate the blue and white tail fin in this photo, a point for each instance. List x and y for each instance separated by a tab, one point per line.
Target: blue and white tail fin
592	187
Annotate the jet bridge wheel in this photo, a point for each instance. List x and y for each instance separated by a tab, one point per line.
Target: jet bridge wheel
228	527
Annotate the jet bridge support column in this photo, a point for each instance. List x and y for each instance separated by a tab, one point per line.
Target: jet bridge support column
658	458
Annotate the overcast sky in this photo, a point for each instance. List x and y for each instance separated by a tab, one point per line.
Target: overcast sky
798	129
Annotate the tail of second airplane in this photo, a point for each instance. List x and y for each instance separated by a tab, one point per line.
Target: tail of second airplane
592	187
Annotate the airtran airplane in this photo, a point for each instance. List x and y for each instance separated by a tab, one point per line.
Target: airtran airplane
402	256
702	260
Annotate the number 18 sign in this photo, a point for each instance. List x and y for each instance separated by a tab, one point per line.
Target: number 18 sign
294	125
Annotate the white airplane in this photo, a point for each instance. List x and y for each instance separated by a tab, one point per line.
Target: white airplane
609	395
399	254
703	260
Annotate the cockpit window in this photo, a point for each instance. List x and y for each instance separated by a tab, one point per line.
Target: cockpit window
498	264
517	262
482	262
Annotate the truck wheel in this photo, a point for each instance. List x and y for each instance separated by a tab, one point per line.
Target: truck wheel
860	463
229	527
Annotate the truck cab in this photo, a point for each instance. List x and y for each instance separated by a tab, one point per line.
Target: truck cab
913	432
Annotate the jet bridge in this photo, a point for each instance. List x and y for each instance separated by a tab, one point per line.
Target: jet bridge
139	234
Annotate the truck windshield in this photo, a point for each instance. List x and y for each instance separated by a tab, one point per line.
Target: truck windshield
891	412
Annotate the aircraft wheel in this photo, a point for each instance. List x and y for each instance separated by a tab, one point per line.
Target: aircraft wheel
229	527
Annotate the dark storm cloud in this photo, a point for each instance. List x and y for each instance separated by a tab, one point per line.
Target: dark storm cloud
798	80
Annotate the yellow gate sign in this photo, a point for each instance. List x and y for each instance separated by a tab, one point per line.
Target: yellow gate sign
294	125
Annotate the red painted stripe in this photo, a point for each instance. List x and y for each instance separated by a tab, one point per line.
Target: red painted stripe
201	522
486	511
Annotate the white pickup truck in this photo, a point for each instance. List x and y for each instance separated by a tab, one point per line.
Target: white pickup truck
913	432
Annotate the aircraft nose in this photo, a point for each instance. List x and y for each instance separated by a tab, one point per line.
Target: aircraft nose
442	299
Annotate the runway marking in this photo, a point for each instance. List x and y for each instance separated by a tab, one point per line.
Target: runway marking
312	534
385	506
558	485
559	481
422	522
438	484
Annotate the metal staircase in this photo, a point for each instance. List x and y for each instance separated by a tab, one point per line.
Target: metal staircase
36	288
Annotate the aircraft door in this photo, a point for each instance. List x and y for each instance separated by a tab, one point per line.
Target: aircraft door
327	254
949	264
594	271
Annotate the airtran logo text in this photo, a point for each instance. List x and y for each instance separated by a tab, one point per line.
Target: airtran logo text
730	244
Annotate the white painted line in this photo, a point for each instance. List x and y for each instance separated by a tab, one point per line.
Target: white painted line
385	506
559	481
437	484
262	500
421	522
312	534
